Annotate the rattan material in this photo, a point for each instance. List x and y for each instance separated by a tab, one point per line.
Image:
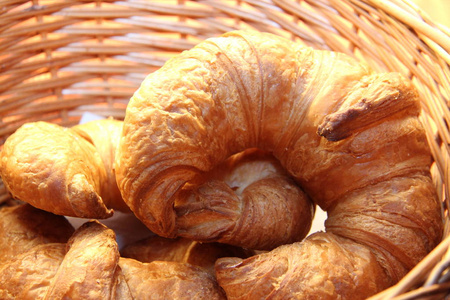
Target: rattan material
59	59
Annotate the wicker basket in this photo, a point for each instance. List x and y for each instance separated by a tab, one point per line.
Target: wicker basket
60	59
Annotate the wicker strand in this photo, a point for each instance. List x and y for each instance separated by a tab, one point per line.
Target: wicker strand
414	277
62	58
413	22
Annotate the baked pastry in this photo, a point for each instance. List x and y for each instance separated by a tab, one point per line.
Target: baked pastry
169	280
156	248
350	137
248	201
22	227
105	135
89	266
250	192
66	171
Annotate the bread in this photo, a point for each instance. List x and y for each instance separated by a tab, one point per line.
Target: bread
250	192
89	266
23	227
105	135
66	171
350	137
248	201
329	132
156	248
323	266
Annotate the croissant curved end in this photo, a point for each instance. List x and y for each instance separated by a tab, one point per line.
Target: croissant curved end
345	134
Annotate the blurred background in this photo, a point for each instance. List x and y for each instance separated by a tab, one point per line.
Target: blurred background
438	10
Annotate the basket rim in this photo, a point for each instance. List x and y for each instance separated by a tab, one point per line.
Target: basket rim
70	82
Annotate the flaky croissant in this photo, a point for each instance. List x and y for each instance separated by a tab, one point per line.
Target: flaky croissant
23	227
350	137
105	135
66	171
89	266
247	201
156	248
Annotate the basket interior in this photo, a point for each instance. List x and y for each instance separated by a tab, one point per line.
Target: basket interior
60	59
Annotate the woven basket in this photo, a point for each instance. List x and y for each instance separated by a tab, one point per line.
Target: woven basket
60	59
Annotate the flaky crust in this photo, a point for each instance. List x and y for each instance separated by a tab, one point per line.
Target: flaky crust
156	248
347	135
89	266
23	227
105	135
248	201
54	169
27	275
89	269
84	267
324	266
169	280
66	171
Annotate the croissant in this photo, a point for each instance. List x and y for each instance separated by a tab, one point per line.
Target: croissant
105	135
66	171
350	137
247	201
89	266
156	248
23	227
245	189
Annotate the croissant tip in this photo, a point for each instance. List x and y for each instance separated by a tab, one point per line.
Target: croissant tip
228	263
330	134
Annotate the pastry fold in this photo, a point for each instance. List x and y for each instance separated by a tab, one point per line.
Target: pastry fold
89	266
248	201
66	171
349	137
156	248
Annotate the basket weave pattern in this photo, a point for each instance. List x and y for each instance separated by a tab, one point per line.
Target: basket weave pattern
60	59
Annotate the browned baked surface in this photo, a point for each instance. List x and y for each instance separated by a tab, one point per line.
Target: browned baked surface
88	265
350	137
66	171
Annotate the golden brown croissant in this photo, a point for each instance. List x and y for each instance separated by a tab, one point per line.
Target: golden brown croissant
156	248
350	137
247	201
64	171
105	135
169	280
23	227
89	266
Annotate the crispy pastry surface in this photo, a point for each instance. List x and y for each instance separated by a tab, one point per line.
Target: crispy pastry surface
105	136
351	138
248	201
342	136
22	227
66	171
324	266
169	280
156	248
89	266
